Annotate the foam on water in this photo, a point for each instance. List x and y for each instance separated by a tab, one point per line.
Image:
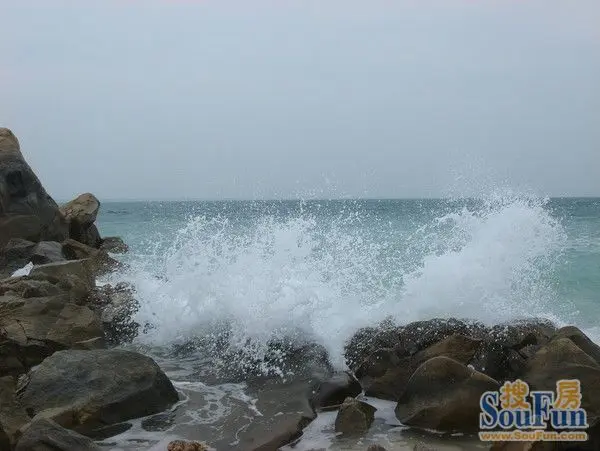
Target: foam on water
323	279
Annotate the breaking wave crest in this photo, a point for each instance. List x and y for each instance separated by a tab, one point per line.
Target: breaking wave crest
319	275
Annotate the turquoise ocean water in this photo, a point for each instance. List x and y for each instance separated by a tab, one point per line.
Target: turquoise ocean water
318	270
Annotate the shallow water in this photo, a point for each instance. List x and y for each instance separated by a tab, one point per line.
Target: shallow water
242	274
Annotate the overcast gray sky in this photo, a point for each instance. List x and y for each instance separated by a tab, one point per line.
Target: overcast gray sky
245	99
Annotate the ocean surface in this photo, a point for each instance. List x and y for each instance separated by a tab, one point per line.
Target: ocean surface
250	272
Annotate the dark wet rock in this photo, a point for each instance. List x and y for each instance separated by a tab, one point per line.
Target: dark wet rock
86	390
286	411
184	445
15	255
12	414
376	448
32	329
114	245
419	335
47	252
368	340
385	374
46	435
335	390
105	432
26	209
443	395
561	358
159	422
354	417
505	348
116	305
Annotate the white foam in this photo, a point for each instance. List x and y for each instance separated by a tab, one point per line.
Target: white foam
326	278
24	271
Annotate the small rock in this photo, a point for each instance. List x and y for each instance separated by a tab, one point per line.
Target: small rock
114	244
376	448
45	435
182	445
355	417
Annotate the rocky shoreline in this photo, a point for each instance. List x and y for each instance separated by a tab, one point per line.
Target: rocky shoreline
64	381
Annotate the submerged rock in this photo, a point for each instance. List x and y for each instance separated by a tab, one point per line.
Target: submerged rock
84	390
45	435
354	417
444	395
26	209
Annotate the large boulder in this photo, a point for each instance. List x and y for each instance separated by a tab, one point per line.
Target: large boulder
385	374
443	395
45	435
12	414
86	390
80	214
354	417
100	262
26	209
560	359
83	269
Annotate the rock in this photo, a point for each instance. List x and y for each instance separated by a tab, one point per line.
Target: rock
32	329
385	374
116	306
85	390
83	209
354	417
81	269
47	252
182	445
581	340
15	254
12	415
335	390
444	395
45	435
563	359
286	411
80	214
530	446
368	340
100	262
505	347
26	209
114	245
376	448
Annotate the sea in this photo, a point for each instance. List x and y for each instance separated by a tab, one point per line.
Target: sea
248	273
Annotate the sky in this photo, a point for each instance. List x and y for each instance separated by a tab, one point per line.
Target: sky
176	99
